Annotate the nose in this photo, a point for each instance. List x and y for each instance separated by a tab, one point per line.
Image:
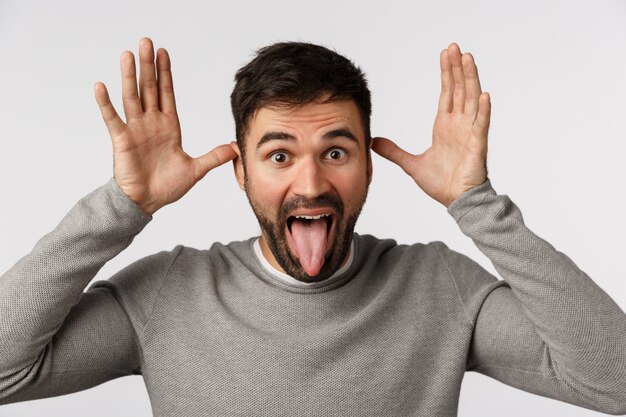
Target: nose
311	179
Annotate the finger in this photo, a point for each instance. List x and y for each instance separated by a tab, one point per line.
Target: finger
389	150
472	84
483	118
167	103
147	77
130	97
114	124
458	97
212	159
447	83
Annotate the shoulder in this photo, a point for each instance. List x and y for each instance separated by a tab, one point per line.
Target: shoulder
136	286
140	285
218	255
418	263
432	267
390	251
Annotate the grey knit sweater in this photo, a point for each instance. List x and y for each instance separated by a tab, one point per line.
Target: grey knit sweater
214	334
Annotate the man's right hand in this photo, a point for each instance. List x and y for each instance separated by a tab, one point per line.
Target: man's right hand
150	165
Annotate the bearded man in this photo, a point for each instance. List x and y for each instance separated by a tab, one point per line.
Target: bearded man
309	318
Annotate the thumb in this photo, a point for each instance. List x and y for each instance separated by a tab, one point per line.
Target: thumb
389	150
212	159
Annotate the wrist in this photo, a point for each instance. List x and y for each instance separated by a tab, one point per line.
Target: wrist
147	207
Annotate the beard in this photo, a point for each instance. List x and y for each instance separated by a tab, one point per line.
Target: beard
274	230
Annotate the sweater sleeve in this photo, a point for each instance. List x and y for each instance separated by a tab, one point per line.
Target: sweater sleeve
551	330
54	338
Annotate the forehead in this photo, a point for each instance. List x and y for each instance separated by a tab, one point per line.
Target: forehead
307	120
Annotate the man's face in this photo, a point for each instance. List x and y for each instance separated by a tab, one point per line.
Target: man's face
307	175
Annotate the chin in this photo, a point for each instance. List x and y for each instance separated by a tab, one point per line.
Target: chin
338	250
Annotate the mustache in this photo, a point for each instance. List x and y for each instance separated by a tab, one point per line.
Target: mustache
324	200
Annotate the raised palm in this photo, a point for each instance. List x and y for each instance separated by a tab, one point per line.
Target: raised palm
457	158
150	165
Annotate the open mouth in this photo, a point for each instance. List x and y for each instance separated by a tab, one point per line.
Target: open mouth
308	220
309	237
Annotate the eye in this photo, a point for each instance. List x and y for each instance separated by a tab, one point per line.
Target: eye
336	154
279	157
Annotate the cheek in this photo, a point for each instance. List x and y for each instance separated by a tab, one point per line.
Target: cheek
351	188
266	191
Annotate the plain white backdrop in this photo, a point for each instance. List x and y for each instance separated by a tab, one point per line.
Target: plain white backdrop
555	70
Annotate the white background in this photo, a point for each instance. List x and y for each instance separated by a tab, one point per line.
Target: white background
555	70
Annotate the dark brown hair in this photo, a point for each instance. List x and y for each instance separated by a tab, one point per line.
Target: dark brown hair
293	74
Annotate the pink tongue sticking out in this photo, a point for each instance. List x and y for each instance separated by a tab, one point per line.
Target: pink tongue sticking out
309	237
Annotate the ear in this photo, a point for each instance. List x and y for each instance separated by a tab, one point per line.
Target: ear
238	165
370	168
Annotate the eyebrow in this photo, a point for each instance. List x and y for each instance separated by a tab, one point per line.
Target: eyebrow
275	135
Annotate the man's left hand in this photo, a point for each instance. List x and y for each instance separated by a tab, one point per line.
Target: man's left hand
457	159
